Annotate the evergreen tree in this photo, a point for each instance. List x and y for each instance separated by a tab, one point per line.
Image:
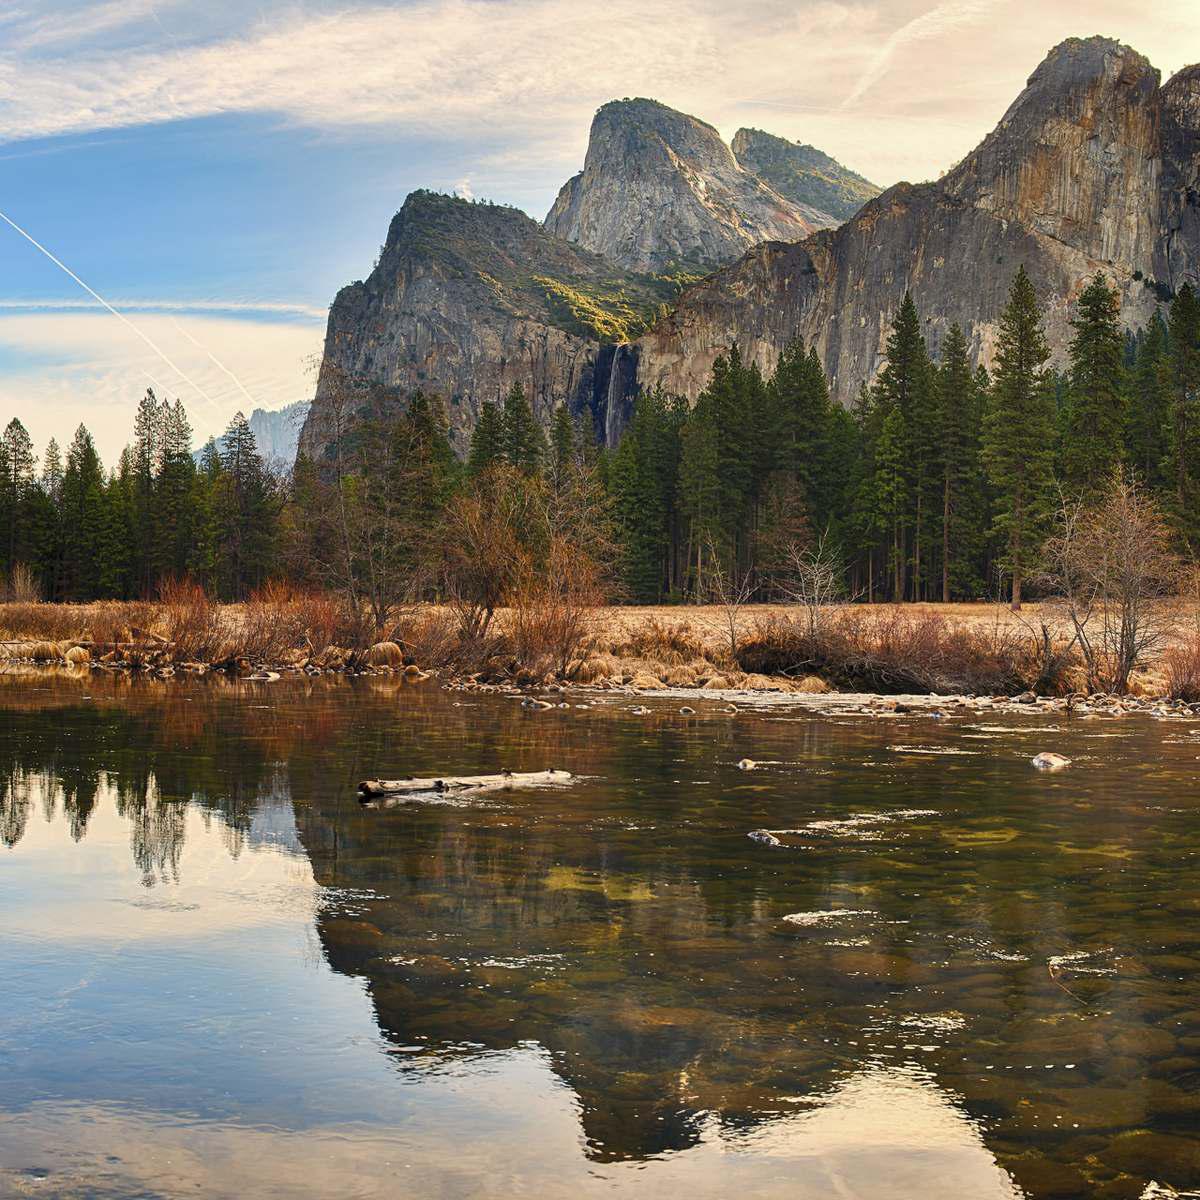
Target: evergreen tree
48	522
905	387
1019	434
1095	424
18	475
522	437
642	478
563	447
82	519
958	427
1146	426
245	511
141	471
174	492
890	499
487	440
1183	381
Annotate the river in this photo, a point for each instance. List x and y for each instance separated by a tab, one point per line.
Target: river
944	975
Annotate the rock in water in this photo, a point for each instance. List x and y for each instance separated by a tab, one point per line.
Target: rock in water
661	191
1049	761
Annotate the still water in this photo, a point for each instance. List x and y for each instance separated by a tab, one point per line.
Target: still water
954	977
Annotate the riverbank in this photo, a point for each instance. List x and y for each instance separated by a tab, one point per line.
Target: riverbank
929	649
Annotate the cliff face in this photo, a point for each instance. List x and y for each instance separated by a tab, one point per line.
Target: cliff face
466	300
660	191
805	175
1094	167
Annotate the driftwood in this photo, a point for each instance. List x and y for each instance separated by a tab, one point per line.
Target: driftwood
371	789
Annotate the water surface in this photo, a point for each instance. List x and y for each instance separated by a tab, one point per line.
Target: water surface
945	975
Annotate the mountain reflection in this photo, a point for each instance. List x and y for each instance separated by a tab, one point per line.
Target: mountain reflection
1007	960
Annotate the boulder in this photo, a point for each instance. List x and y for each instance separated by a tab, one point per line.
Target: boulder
1048	760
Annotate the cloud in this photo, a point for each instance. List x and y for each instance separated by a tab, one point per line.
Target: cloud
258	307
524	76
936	23
58	370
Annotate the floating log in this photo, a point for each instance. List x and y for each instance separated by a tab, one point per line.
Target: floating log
370	789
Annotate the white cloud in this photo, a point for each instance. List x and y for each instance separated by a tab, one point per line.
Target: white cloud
526	74
64	369
947	17
279	307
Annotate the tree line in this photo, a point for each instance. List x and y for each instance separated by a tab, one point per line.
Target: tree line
940	482
73	531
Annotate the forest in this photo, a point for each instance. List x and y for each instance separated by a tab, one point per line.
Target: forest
942	482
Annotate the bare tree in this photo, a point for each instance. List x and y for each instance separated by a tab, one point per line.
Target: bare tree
729	590
1110	565
815	579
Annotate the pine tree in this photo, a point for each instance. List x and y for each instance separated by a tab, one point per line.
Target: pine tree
562	446
523	440
1019	433
642	478
487	440
18	475
890	503
1147	413
1183	376
143	467
1095	409
82	519
245	513
174	493
905	386
959	403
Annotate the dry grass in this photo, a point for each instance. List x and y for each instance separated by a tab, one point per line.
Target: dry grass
916	647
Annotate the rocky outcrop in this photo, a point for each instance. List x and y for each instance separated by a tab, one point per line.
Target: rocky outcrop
660	191
466	300
827	192
1093	167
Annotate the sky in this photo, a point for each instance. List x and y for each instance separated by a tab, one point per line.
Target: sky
214	170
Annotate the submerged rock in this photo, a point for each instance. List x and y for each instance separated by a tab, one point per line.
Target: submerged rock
1048	760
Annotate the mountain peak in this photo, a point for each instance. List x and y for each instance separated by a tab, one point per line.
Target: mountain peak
827	192
660	191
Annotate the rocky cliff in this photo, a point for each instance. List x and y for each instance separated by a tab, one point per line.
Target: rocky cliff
660	191
805	175
467	299
1093	167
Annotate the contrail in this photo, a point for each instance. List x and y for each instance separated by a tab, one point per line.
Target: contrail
62	266
214	360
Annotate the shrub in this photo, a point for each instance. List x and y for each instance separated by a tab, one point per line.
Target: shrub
1181	663
193	621
890	650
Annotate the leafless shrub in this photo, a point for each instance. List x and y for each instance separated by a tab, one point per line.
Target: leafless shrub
429	637
728	589
21	586
1111	568
484	547
814	578
551	607
889	650
193	622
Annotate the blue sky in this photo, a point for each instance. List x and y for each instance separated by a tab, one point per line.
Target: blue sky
218	169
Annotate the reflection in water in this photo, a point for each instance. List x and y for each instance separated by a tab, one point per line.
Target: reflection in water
992	994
